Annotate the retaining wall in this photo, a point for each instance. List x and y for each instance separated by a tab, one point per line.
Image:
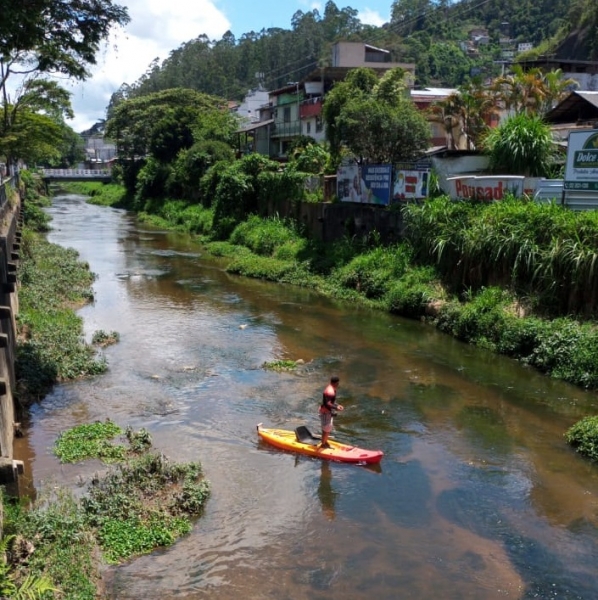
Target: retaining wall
10	247
331	221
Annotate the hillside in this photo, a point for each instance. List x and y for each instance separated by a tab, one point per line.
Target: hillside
433	34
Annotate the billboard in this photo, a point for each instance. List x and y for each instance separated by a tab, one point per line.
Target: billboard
581	171
378	183
368	184
486	187
410	181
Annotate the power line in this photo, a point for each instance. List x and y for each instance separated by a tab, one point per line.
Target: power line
455	10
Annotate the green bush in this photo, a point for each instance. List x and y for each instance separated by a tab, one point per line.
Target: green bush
410	295
583	436
263	236
372	273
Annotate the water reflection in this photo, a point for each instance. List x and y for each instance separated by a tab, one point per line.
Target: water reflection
477	497
326	494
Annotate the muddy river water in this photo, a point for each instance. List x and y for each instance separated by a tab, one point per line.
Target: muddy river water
477	497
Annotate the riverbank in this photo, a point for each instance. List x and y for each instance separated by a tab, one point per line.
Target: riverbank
57	546
517	279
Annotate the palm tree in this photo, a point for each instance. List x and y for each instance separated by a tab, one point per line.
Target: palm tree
532	91
557	87
443	112
467	111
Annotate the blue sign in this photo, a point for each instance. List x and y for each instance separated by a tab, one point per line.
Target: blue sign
378	183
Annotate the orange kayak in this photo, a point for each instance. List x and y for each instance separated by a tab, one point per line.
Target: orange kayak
304	442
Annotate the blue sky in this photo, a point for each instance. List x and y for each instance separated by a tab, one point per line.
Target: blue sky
159	26
273	13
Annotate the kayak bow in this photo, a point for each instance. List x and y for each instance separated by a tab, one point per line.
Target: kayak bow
304	442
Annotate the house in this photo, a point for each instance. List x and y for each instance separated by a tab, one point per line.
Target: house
585	72
249	110
296	109
579	110
423	99
99	152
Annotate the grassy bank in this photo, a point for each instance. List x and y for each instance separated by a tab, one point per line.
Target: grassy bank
56	546
503	276
60	543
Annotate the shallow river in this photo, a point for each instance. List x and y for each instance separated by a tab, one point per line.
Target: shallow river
477	497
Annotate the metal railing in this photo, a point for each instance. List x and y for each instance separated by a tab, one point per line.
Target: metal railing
82	173
288	129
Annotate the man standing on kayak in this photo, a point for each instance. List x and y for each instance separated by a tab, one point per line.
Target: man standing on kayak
328	409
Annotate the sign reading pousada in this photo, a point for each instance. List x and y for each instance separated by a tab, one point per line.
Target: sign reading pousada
581	172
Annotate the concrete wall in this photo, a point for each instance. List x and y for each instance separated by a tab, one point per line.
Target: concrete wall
329	222
10	247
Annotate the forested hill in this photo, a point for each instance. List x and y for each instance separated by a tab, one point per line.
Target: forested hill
430	33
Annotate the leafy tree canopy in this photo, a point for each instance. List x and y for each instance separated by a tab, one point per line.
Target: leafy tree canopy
139	125
375	118
55	35
37	38
162	124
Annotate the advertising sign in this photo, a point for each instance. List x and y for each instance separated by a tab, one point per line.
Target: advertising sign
410	181
369	184
348	183
490	187
581	172
378	183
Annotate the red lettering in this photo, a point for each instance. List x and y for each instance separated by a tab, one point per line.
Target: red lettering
498	191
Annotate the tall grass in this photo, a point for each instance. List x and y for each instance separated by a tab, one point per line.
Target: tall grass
541	250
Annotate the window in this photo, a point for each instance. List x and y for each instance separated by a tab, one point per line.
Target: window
308	127
287	114
319	125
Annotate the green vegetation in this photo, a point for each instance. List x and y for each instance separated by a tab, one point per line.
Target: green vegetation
375	118
144	503
104	338
51	348
430	33
522	145
583	436
90	441
105	194
280	365
43	38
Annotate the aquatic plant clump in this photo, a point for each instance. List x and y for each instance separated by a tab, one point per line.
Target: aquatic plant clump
89	441
280	365
146	503
105	338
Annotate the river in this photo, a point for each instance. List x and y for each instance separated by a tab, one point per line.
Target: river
478	495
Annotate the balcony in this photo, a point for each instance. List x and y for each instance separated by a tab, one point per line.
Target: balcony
311	108
288	129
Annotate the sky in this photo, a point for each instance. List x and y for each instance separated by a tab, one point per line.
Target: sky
159	26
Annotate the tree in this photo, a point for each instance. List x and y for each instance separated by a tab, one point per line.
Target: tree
379	132
375	118
35	138
55	36
358	82
466	113
38	102
39	37
161	125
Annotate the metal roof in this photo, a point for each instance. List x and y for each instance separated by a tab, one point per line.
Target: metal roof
575	107
255	126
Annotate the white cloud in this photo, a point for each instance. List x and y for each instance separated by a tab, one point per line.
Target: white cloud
371	17
157	27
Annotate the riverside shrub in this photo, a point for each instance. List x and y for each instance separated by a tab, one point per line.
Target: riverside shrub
583	436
